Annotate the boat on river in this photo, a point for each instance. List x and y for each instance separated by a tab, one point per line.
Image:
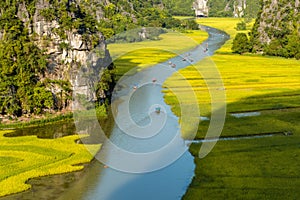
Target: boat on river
157	109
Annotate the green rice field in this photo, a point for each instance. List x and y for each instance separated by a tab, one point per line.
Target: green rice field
253	168
24	158
135	56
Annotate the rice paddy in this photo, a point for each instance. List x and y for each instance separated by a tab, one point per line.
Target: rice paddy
24	158
260	83
135	56
225	24
256	168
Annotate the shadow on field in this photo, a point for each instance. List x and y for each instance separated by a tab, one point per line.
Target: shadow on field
276	112
253	168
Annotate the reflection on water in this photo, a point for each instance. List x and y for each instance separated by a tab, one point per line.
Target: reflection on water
55	130
49	187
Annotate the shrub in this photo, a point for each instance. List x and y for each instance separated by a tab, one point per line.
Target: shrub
241	44
241	26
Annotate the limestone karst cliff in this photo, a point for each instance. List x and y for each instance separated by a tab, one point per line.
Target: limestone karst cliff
277	28
64	35
201	8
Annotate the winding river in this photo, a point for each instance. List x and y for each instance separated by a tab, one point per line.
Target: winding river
167	183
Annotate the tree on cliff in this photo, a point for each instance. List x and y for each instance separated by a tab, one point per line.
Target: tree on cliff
21	61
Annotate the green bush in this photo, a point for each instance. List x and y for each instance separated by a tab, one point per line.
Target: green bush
241	26
241	44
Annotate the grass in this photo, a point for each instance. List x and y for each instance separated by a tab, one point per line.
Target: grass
257	168
265	168
23	158
135	56
240	176
259	83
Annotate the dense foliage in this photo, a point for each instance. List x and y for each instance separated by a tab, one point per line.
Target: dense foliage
121	16
225	8
241	43
218	9
21	61
276	30
179	7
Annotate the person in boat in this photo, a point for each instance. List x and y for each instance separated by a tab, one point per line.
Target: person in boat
157	109
135	86
206	48
173	65
154	80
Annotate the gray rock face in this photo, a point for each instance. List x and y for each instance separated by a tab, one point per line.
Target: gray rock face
239	8
277	16
71	57
201	8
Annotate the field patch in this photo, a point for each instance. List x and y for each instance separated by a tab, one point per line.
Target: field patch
23	158
136	56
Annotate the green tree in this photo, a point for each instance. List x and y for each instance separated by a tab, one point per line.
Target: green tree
241	26
241	44
42	99
293	46
21	64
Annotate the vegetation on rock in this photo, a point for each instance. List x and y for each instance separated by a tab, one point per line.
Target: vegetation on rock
276	30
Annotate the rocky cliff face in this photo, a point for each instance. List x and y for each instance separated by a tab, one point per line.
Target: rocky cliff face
72	51
276	20
239	8
201	8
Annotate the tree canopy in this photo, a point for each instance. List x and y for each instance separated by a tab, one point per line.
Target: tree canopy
240	44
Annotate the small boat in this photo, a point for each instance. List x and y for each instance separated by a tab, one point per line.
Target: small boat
157	109
173	65
135	86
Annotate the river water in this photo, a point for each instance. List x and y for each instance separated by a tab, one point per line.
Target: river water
163	178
